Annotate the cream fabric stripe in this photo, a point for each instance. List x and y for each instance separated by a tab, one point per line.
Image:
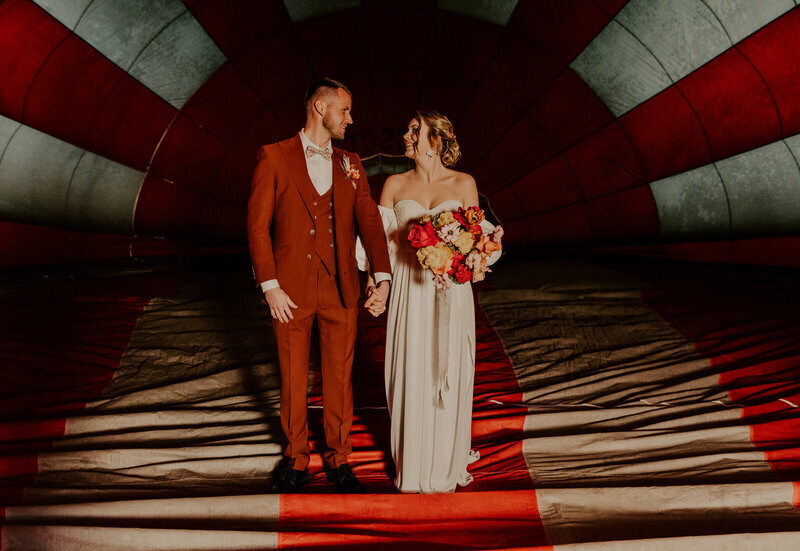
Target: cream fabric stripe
80	538
725	542
253	511
614	514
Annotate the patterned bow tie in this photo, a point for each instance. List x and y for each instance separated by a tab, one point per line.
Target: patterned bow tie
324	153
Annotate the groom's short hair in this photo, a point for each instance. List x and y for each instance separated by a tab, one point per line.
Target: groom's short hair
323	87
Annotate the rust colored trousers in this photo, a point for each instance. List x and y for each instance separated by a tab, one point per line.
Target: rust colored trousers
337	335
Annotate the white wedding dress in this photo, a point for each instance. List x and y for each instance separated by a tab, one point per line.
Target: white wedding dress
430	362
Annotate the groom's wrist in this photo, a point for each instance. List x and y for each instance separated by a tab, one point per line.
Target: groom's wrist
380	277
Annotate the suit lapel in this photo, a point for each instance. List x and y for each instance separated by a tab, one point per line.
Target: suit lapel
296	160
340	185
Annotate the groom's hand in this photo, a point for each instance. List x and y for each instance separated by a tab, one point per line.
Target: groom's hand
376	302
280	305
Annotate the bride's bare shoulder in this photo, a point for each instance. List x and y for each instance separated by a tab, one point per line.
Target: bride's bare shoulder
465	187
391	186
463	180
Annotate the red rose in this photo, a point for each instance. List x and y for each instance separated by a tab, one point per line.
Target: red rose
476	230
463	274
459	216
423	236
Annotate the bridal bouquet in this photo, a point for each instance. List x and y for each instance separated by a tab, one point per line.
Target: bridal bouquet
452	245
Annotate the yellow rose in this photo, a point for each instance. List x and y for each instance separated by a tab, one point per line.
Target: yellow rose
425	219
438	259
464	242
445	218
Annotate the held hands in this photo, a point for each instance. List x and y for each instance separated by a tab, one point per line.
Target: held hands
280	305
376	297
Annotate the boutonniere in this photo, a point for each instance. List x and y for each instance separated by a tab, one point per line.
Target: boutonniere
350	171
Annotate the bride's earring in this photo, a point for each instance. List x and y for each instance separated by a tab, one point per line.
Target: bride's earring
430	153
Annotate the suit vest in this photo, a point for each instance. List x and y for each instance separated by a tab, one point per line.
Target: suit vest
324	246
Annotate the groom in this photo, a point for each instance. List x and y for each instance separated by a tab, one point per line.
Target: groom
306	201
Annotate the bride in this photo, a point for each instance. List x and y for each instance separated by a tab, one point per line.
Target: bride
430	342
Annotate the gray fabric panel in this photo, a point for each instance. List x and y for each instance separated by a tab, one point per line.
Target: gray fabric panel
763	188
158	42
44	180
68	13
306	9
35	177
741	18
493	11
121	30
178	61
103	195
692	205
682	34
620	70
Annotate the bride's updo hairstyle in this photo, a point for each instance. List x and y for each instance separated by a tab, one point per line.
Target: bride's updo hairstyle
440	127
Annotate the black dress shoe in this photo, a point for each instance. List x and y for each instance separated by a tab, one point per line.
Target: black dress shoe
290	480
346	482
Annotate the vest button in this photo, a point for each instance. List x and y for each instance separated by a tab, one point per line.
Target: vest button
330	203
330	217
312	232
331	244
308	256
330	230
315	203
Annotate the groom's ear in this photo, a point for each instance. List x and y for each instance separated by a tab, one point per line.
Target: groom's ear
320	106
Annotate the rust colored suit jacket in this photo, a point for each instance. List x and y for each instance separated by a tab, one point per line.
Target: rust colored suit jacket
280	220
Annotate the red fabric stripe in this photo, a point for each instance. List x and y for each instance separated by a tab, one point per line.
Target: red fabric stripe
774	52
27	37
461	520
733	104
667	135
568	110
497	509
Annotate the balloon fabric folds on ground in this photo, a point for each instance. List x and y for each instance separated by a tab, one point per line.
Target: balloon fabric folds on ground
619	404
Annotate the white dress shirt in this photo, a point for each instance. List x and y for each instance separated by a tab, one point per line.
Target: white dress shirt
320	171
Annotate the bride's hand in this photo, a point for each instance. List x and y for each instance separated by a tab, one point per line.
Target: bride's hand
376	309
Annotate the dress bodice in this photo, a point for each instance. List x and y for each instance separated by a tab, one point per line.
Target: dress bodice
409	211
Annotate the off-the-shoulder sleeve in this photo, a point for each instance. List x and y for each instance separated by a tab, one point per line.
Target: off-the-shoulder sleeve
392	239
488	228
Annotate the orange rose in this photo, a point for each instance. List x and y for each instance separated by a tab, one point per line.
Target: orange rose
486	245
474	215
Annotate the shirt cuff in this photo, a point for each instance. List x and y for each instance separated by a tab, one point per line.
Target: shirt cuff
381	276
267	285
